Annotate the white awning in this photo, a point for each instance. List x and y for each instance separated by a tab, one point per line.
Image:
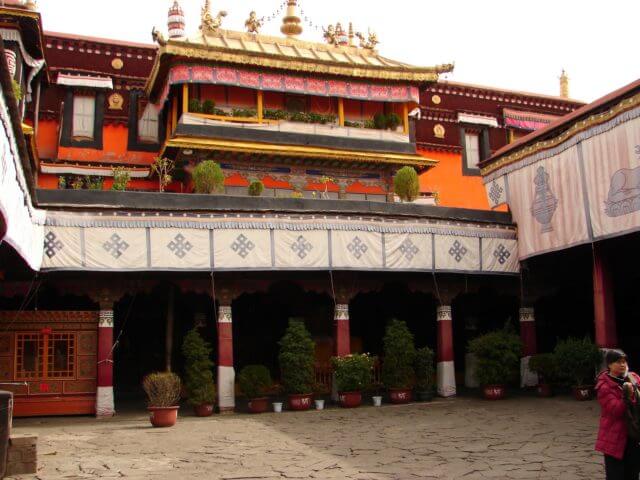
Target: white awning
85	81
477	119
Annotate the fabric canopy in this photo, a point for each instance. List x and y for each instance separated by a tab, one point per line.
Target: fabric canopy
526	120
85	81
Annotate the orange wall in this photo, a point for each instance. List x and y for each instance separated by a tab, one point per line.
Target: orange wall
454	189
47	139
242	97
213	92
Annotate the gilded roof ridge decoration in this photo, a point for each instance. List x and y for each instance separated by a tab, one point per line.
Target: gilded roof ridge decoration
575	129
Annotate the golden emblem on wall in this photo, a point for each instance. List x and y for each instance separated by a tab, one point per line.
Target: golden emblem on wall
438	130
436	99
117	63
116	101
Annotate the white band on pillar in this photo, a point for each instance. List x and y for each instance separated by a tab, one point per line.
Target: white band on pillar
105	319
224	314
443	313
527	377
341	312
527	315
446	379
104	402
226	387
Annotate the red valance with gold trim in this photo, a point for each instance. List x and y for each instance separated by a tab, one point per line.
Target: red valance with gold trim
277	82
526	120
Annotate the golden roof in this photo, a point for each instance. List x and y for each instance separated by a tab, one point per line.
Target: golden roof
292	54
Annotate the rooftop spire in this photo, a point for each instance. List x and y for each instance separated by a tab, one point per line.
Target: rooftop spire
291	22
564	85
176	21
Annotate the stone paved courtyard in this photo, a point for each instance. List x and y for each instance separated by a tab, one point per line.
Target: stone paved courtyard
447	439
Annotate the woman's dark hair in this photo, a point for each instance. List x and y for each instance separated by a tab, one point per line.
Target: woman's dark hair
614	355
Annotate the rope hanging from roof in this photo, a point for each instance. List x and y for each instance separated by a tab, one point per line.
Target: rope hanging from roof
307	20
274	15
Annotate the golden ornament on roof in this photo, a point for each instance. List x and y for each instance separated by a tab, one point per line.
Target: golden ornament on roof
253	23
370	42
330	35
209	23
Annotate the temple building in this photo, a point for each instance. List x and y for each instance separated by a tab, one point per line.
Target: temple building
99	286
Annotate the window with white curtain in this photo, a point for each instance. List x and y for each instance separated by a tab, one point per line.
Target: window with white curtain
472	149
84	112
148	125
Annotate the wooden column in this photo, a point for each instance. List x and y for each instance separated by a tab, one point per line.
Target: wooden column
174	114
446	374
604	309
104	395
260	105
341	112
342	330
530	346
405	118
226	372
168	345
185	98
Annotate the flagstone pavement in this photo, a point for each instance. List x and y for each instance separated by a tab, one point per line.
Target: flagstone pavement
518	438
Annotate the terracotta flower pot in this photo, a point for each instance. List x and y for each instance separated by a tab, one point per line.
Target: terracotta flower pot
583	392
350	399
544	390
399	395
301	401
163	416
258	405
204	410
494	392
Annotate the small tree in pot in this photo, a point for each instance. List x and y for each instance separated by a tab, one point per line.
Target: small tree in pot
397	365
254	380
163	394
578	360
208	177
352	375
425	372
406	184
296	360
199	373
545	365
498	361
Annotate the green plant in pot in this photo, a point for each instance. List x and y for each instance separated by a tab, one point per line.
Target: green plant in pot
397	365
425	373
207	177
254	380
256	188
578	359
296	358
208	107
195	106
393	121
406	184
497	361
352	376
546	367
200	385
380	121
163	395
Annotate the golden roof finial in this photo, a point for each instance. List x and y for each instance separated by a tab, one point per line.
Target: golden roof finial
209	23
253	23
564	84
291	22
351	34
31	5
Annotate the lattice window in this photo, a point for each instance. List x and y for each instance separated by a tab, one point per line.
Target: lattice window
29	354
61	355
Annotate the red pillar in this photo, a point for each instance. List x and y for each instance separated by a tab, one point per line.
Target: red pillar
445	367
603	306
342	334
226	372
104	395
530	346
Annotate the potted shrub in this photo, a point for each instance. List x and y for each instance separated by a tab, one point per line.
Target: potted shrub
397	365
296	358
406	184
544	364
380	121
208	107
393	121
254	380
352	375
195	106
497	361
207	177
425	373
255	188
163	394
201	387
578	360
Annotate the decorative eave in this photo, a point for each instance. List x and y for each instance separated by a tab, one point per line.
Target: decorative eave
418	161
231	47
525	146
32	20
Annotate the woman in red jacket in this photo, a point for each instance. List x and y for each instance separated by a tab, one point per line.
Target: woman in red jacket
621	453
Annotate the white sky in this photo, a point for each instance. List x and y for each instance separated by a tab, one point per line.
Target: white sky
510	44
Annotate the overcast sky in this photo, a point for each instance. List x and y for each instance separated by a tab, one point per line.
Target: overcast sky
510	44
